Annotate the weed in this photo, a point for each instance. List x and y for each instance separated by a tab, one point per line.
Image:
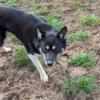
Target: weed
85	84
70	87
83	59
79	5
90	20
53	21
11	3
22	59
78	36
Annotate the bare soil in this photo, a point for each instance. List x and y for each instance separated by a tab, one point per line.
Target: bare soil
23	83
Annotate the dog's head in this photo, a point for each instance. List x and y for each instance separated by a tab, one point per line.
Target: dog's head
51	44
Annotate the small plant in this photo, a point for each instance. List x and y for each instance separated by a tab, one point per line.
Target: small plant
84	60
70	87
53	21
79	5
78	36
85	84
90	20
22	59
11	3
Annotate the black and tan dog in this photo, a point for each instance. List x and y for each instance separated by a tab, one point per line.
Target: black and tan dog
36	35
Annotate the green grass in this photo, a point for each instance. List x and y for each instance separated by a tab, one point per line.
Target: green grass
85	84
11	3
79	5
78	36
52	18
90	20
84	60
54	21
22	59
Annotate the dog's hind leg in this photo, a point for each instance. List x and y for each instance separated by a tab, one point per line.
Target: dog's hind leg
39	67
2	38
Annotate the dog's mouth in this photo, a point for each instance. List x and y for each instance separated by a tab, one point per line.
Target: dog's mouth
49	63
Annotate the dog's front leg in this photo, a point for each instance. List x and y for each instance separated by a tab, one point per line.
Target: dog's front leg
39	67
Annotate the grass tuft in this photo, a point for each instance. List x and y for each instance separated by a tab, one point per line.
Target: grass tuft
53	21
84	60
22	59
85	84
90	20
78	36
79	5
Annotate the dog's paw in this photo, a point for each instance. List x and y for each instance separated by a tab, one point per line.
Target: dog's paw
44	77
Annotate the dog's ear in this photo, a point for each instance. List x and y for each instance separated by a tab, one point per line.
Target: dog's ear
62	33
40	34
43	29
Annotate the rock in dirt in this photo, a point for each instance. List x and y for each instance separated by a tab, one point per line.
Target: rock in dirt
7	50
2	65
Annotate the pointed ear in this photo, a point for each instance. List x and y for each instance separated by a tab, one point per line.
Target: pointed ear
44	28
62	33
40	34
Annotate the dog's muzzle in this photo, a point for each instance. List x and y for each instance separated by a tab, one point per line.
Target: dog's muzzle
49	63
50	59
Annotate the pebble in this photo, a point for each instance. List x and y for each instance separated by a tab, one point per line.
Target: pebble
2	66
7	50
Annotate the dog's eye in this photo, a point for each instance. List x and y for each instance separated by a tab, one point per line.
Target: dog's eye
53	47
47	47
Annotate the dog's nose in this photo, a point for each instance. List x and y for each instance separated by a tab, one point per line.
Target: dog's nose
49	63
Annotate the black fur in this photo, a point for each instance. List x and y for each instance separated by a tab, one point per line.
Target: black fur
24	26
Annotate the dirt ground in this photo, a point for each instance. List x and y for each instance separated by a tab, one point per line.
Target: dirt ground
24	83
